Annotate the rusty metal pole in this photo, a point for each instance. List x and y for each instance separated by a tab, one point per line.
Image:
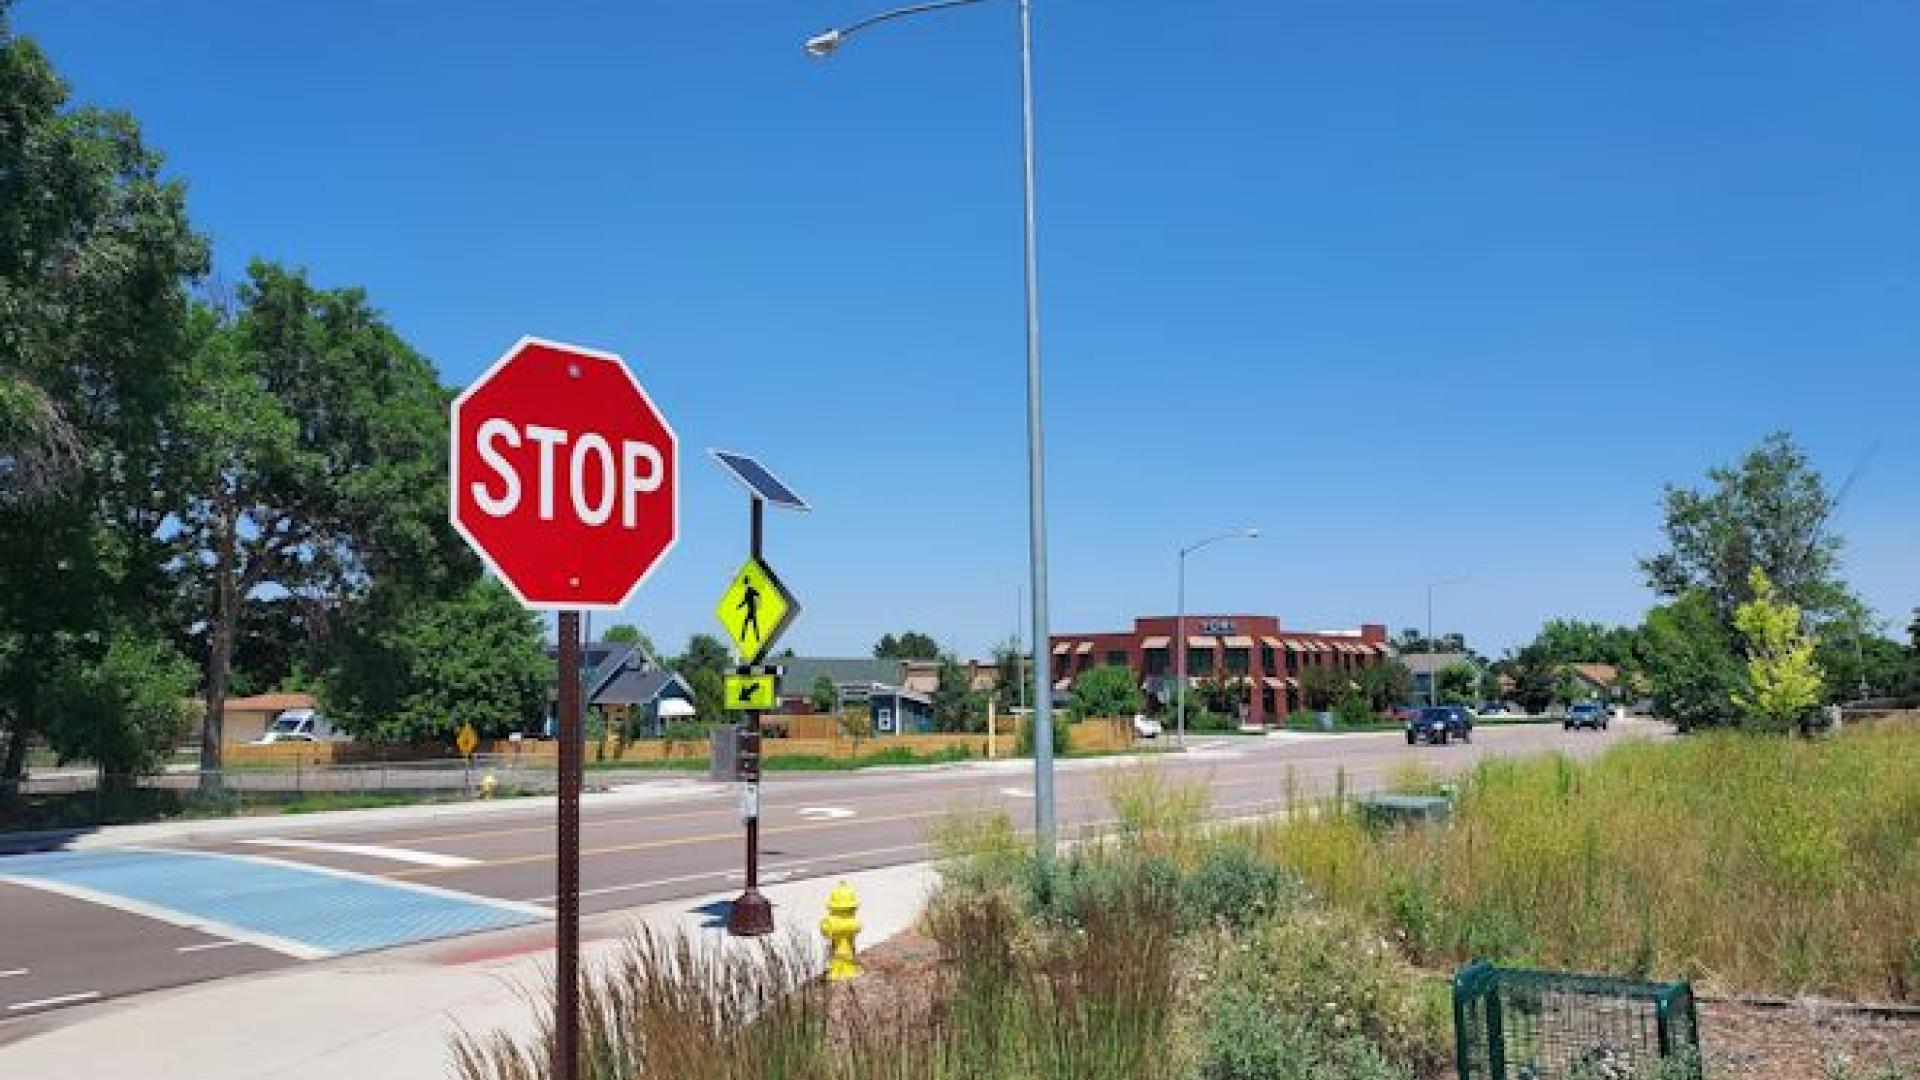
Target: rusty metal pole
751	914
566	1050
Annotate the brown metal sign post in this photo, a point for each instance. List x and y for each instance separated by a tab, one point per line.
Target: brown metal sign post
567	872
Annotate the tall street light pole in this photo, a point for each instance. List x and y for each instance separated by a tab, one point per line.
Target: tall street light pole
825	44
1433	673
1180	630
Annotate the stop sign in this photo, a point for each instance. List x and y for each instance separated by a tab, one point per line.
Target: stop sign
565	476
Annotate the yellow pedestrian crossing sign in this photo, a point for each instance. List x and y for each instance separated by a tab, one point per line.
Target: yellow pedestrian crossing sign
753	692
755	609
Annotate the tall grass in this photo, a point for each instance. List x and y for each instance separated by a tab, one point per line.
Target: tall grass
1746	863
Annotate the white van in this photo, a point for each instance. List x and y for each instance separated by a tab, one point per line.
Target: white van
300	725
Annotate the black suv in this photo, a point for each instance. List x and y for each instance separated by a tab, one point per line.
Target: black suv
1440	723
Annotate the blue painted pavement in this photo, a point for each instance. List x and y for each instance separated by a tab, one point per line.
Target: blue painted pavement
323	912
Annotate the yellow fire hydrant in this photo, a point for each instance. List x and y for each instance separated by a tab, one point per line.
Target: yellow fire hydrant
840	928
487	784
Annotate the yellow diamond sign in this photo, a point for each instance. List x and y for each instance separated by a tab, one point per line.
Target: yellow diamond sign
467	740
755	609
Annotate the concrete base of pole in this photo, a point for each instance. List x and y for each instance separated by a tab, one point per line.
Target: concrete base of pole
751	915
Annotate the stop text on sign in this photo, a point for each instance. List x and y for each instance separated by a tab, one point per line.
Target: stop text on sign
598	476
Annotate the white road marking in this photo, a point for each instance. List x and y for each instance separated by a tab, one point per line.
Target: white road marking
371	851
284	946
10	973
824	813
1017	792
63	999
206	946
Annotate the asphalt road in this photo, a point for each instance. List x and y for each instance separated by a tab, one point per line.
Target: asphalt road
78	938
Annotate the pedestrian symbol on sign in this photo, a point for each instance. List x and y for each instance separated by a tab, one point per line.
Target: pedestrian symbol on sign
756	610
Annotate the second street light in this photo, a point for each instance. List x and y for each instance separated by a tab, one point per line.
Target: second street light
1180	629
826	44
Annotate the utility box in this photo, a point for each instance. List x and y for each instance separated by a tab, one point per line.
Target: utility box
1382	811
723	756
1516	1024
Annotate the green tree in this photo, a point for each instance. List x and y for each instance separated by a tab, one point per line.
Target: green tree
1385	684
627	634
1107	691
1575	641
1013	675
123	710
477	657
709	696
1860	662
1322	687
96	258
1783	681
1770	512
1690	664
1536	676
310	460
912	645
1458	683
704	653
826	696
956	706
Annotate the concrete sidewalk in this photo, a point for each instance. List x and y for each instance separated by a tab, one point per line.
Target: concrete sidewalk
389	1015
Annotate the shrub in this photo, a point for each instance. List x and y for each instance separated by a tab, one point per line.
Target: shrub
1062	735
1244	1040
1342	981
1153	812
1232	886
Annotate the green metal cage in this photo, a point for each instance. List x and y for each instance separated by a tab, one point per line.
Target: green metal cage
1517	1024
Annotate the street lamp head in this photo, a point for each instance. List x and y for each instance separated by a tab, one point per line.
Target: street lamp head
1252	534
823	45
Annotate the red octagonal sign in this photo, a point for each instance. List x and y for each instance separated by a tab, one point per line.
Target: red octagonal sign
565	477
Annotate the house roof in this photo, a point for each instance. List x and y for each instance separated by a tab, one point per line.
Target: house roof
1426	663
1601	675
627	675
272	702
803	671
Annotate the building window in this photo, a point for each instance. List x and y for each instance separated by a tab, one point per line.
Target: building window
1156	661
1117	658
1266	660
1237	661
1293	662
1199	662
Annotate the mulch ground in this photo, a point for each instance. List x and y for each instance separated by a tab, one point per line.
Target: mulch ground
1794	1041
1797	1041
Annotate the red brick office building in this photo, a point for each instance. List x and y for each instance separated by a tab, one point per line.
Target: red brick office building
1252	651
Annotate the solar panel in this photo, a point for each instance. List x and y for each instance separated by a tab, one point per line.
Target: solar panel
758	481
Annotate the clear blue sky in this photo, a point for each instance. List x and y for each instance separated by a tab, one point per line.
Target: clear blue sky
1423	289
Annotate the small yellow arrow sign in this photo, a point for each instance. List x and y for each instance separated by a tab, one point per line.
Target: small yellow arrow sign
755	609
467	740
752	692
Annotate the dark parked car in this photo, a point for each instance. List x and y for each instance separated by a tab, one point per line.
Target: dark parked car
1440	724
1586	714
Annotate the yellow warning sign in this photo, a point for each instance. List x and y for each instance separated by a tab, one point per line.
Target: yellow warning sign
466	740
752	692
755	609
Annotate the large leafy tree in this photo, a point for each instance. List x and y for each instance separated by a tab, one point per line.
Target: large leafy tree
471	658
1689	661
704	653
308	460
1770	511
1012	675
1576	641
96	258
1385	684
124	711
